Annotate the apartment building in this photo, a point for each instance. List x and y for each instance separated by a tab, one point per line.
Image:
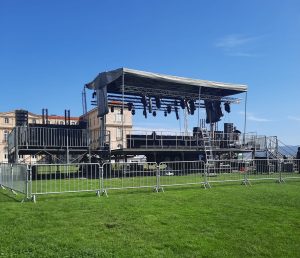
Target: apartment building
114	125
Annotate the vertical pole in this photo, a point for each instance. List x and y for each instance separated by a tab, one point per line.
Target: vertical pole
43	116
47	116
84	103
199	98
245	118
16	145
28	182
12	177
123	88
65	117
157	187
68	159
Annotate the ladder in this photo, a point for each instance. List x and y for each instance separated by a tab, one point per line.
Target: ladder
210	164
207	145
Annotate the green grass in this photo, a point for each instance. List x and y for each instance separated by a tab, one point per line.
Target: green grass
228	220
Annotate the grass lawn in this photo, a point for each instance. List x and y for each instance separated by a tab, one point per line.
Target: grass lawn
228	220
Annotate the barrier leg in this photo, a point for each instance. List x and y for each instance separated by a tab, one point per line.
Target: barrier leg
158	188
245	181
206	184
102	189
280	179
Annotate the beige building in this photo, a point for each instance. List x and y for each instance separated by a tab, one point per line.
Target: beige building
8	122
114	125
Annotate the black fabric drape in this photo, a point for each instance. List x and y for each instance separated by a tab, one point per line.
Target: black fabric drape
213	111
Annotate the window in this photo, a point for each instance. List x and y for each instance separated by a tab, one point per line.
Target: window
118	116
6	120
33	121
5	135
73	123
119	133
61	122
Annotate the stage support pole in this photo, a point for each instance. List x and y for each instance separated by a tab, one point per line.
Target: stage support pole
123	111
245	118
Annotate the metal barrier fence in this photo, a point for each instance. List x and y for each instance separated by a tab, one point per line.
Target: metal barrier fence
181	173
220	171
129	175
272	169
14	177
42	179
290	169
64	178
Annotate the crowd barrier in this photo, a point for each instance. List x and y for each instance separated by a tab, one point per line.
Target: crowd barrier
14	177
43	179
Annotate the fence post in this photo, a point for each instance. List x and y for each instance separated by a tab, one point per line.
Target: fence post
158	187
12	176
206	183
102	189
280	167
27	181
246	170
32	196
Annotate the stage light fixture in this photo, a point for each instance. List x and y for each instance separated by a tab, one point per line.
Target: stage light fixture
182	104
187	106
150	105
121	111
94	94
129	106
165	113
192	106
176	112
112	109
227	107
145	112
154	113
169	109
133	112
144	100
157	102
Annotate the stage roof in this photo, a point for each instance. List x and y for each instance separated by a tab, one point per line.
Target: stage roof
154	84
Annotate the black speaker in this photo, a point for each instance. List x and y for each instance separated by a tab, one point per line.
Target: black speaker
21	117
228	130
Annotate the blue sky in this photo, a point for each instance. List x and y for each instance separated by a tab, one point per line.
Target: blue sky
50	49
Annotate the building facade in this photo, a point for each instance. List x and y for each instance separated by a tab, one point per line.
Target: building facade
115	122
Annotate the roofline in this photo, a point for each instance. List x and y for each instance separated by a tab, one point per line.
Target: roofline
184	80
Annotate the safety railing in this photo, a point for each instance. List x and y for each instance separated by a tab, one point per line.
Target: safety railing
129	175
134	139
264	169
65	178
290	169
219	171
14	177
42	179
181	173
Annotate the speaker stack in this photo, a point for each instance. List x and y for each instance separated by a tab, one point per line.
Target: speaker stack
21	117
